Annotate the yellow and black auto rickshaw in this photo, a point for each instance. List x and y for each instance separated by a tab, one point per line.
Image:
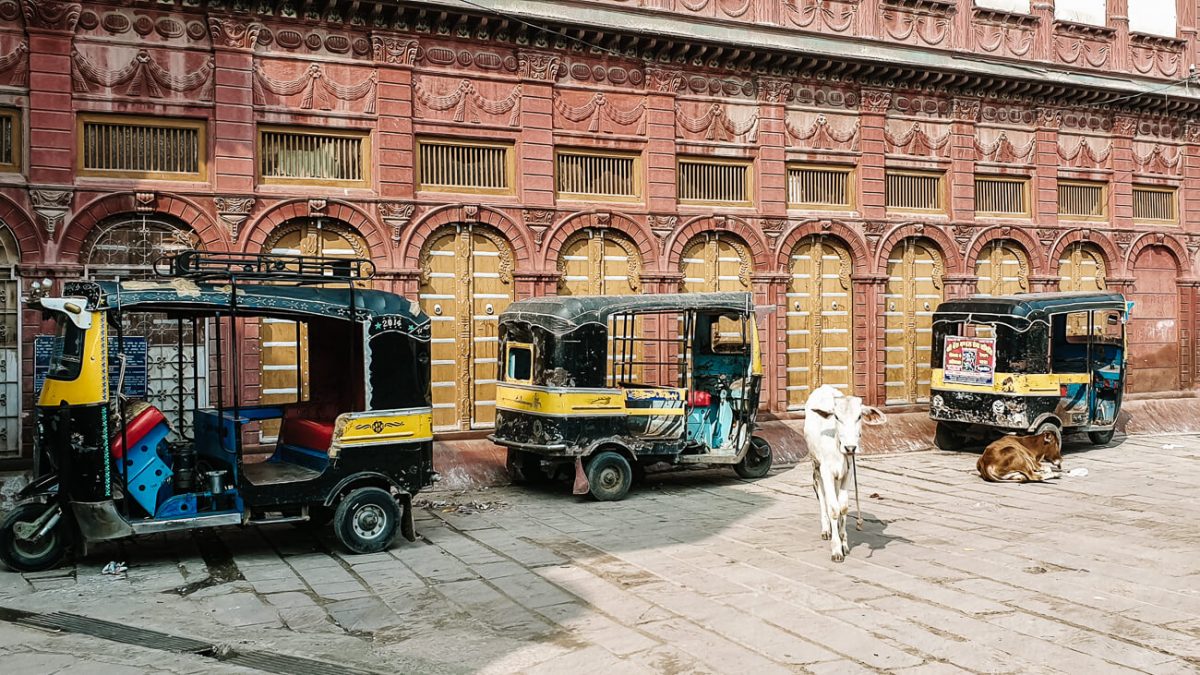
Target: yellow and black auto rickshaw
354	447
1027	363
612	383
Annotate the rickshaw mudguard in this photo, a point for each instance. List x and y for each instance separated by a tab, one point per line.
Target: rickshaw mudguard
408	525
367	479
100	521
44	486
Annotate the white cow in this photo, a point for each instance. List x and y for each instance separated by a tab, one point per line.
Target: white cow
832	425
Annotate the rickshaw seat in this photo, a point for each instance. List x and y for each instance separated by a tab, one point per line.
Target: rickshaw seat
307	434
141	424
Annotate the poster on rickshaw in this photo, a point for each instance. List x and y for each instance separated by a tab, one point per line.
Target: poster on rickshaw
136	372
969	360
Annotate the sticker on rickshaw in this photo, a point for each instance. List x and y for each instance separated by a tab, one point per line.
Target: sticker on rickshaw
969	360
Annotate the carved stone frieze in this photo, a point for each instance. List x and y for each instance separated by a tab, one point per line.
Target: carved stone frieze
397	215
51	14
52	206
1081	45
822	134
876	100
966	109
542	66
833	15
142	76
663	80
923	22
394	50
233	212
1156	56
233	33
1004	33
774	90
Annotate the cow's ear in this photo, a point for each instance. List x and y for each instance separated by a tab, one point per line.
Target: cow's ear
822	402
873	416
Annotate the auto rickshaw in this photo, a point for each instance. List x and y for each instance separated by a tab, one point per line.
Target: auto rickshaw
1028	363
611	384
354	452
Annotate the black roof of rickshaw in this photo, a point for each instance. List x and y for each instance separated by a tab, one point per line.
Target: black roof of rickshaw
186	296
1033	305
559	313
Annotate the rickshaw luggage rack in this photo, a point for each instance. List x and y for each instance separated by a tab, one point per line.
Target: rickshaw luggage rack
273	267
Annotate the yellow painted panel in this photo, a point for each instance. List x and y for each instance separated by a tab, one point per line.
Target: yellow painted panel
380	428
1009	383
551	401
92	384
911	294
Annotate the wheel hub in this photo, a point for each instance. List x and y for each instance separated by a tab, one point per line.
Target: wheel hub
29	547
610	478
369	521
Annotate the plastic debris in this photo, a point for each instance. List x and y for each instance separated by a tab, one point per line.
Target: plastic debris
1168	446
115	568
1078	471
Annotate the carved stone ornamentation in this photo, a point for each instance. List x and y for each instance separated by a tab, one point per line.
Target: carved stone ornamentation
232	33
1124	237
963	234
142	76
662	226
834	15
143	202
1049	118
876	100
923	22
466	103
233	212
1004	151
774	90
394	51
543	66
1124	125
822	135
1004	33
1156	56
51	206
1191	132
538	220
773	227
874	229
1047	235
966	109
397	215
716	124
15	62
1082	45
663	81
317	206
315	89
51	14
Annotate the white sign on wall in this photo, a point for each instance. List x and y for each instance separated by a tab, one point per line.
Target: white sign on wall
1156	17
1016	6
1083	11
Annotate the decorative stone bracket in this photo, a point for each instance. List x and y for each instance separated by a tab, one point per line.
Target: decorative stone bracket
52	206
397	215
233	212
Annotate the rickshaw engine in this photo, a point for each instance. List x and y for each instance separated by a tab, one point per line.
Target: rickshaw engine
183	464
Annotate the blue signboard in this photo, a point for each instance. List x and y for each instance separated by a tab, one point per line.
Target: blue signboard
135	363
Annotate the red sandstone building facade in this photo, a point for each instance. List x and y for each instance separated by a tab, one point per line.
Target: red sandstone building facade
825	154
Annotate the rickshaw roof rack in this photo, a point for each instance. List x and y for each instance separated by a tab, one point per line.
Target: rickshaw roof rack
566	313
273	267
1033	305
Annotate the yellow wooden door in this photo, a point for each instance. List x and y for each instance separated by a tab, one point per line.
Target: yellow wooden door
283	354
913	291
602	262
466	283
1081	268
1002	269
819	319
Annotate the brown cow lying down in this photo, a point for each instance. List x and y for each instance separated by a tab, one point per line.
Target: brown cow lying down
1021	459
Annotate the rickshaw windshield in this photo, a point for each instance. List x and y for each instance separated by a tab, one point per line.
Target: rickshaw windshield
1019	346
66	359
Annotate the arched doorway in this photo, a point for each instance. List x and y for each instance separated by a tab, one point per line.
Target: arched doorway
597	261
1002	269
281	340
914	289
10	347
125	247
820	319
466	281
715	261
1154	323
1081	268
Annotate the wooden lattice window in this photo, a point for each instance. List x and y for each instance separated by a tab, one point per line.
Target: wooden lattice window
597	175
314	157
10	140
465	166
1086	200
1155	203
715	181
916	191
141	147
997	196
820	187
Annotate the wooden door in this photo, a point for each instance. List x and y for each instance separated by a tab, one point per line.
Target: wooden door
1153	330
716	262
466	282
283	355
602	262
1002	269
913	291
819	319
1081	268
10	356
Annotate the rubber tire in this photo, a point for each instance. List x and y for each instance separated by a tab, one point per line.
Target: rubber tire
1101	437
609	476
946	438
1052	427
350	507
18	561
757	462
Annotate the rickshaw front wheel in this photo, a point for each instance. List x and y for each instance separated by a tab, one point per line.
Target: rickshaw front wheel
609	476
757	462
23	555
366	520
1101	437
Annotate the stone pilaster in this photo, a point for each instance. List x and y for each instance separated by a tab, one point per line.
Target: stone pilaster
394	56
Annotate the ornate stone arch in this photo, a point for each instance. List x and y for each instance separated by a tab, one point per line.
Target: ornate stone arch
618	237
377	237
834	228
493	235
1167	241
27	238
556	239
209	235
1108	249
418	236
943	242
751	237
1015	234
352	236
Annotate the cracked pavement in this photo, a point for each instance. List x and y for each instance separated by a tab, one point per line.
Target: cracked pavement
694	572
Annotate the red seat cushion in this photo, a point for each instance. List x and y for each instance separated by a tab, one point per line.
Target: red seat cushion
304	433
135	429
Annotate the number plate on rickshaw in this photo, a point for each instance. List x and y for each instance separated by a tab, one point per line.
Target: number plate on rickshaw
969	360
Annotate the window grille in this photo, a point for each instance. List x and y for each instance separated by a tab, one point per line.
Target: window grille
709	181
447	165
907	191
10	140
289	155
819	187
142	148
1002	196
1083	200
1154	204
597	175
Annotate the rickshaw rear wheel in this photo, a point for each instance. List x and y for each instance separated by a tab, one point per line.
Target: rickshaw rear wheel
27	556
366	520
757	462
946	438
609	476
1101	437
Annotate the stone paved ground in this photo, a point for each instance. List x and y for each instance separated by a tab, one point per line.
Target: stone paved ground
698	572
